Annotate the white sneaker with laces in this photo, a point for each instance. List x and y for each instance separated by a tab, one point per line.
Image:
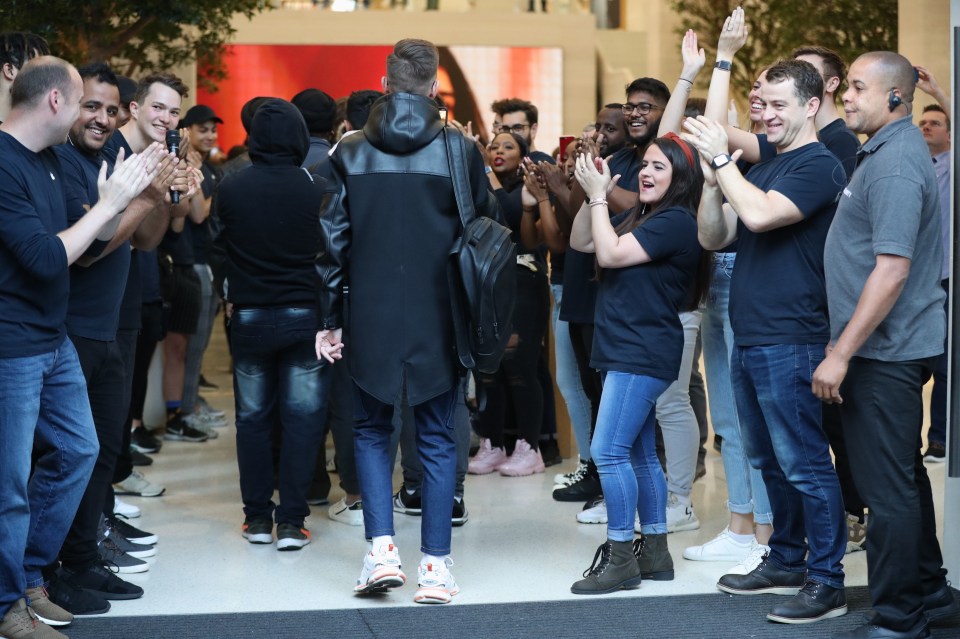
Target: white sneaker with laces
381	571
435	583
594	512
680	515
351	515
136	484
723	547
751	561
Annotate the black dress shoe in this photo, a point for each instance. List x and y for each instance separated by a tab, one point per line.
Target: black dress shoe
814	602
940	604
871	631
764	579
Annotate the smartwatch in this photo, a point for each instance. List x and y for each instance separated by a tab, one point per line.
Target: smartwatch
723	65
721	160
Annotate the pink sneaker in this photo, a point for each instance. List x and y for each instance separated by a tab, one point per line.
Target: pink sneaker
524	461
487	459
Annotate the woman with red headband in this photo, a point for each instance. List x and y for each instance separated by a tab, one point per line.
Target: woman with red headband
650	268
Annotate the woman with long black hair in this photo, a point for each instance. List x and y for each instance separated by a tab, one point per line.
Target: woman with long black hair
651	268
515	390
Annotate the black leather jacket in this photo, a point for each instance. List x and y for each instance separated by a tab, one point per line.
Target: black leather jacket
391	225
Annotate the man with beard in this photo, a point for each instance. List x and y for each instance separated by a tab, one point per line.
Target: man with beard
513	115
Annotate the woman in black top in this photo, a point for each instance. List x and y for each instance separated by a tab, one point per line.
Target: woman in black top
515	388
649	259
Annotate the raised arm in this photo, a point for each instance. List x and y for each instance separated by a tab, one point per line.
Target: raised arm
693	60
732	38
928	84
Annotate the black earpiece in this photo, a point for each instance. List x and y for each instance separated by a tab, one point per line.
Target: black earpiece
894	101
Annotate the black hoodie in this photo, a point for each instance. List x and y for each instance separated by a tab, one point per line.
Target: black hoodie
269	213
394	221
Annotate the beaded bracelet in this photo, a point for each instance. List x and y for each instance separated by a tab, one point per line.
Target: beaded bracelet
597	202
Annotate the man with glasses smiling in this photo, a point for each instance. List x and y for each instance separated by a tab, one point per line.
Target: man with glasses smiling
513	115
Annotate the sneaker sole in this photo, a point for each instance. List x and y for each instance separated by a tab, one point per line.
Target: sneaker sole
382	583
115	596
129	514
830	614
516	473
591	520
145	450
133	570
733	559
258	538
147	540
148	551
456	522
291	544
131	493
183	438
404	510
53	622
347	520
434	595
771	590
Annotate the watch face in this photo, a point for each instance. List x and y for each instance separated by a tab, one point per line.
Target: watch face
720	160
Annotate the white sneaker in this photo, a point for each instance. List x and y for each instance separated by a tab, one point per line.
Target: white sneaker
204	425
349	515
435	584
121	507
594	512
680	515
136	484
381	571
562	480
723	547
751	561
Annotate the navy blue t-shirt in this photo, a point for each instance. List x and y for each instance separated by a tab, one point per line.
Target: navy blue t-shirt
843	143
638	327
34	280
201	233
579	269
93	311
777	293
131	305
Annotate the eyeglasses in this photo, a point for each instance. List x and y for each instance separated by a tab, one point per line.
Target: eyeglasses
643	108
516	128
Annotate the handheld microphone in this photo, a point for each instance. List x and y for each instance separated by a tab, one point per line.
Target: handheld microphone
173	146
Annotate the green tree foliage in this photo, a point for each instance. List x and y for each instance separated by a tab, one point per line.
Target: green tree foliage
849	27
133	35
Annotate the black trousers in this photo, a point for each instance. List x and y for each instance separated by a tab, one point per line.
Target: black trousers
581	337
833	427
127	342
882	414
103	369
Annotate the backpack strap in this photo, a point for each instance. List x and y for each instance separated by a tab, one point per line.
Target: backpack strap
456	158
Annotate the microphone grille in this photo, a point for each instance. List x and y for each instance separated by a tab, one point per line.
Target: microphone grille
173	136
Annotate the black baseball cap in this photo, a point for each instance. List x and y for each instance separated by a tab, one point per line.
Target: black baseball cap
198	114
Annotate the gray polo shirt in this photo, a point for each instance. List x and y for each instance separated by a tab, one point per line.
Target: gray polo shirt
891	207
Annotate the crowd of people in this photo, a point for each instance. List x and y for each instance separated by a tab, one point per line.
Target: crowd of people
809	269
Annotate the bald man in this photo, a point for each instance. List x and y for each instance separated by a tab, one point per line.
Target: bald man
43	398
882	260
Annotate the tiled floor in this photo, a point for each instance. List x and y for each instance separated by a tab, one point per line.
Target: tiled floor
519	544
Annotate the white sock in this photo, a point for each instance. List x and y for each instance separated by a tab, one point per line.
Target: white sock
433	559
741	539
381	541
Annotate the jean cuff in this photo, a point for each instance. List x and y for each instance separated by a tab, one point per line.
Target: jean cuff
436	552
826	581
654	529
35	583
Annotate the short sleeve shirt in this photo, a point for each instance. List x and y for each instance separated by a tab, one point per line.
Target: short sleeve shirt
777	292
891	207
638	327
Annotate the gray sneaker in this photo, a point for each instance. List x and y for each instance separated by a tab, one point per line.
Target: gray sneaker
108	531
136	484
116	560
197	422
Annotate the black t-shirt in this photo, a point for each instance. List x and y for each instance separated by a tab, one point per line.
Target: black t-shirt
149	276
777	294
34	280
95	290
131	305
638	327
843	143
201	234
626	163
556	267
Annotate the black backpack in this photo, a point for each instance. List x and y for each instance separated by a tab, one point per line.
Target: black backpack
483	281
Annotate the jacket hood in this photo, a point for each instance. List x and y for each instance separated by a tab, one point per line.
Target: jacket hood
403	122
278	135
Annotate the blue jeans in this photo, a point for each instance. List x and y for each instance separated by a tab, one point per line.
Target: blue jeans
276	372
43	407
783	437
568	378
745	490
625	451
434	421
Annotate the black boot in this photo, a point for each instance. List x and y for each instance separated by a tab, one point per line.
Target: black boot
614	568
584	489
653	557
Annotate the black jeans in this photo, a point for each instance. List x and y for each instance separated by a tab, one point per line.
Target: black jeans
127	341
276	373
833	427
103	369
516	386
882	413
581	336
